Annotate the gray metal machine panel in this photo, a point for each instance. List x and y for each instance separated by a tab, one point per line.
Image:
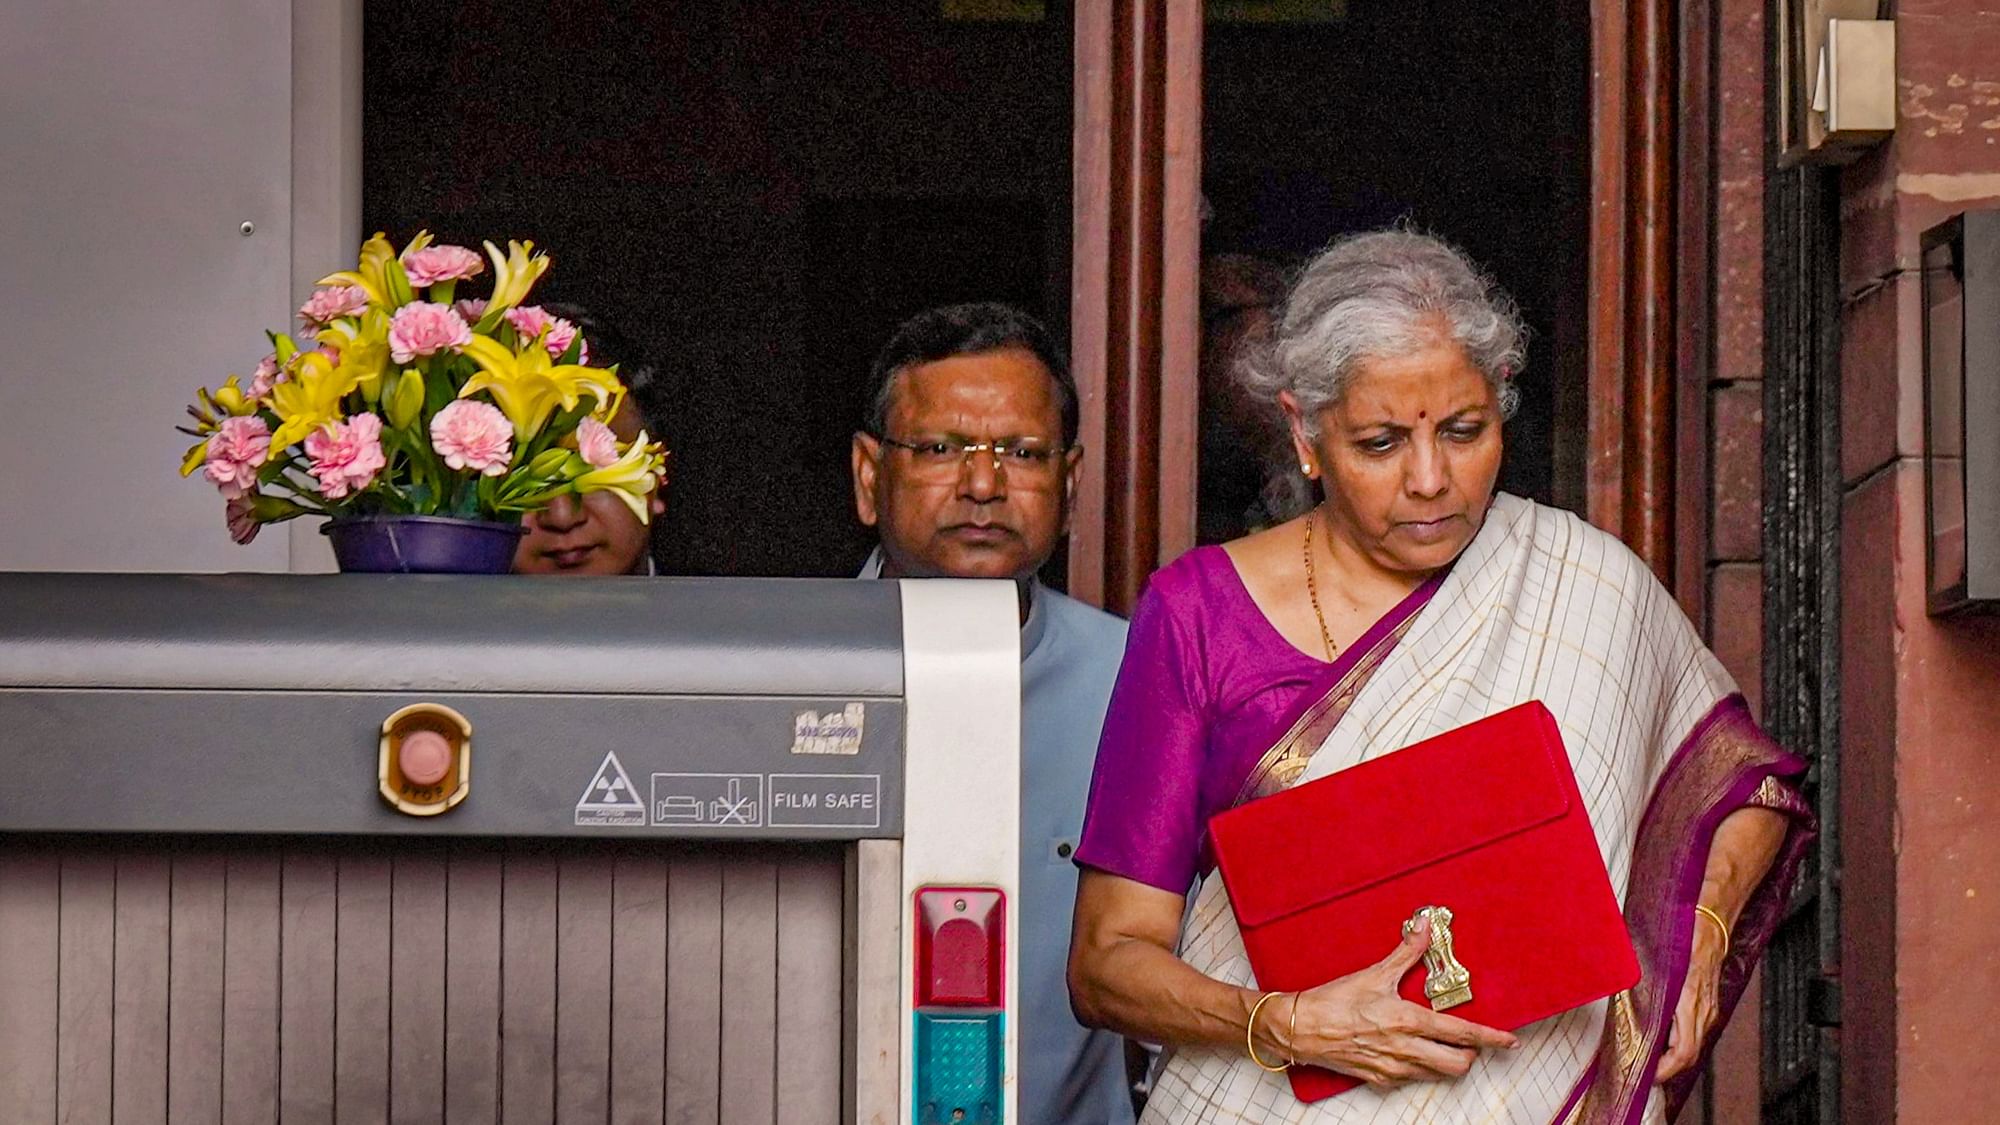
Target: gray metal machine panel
393	633
623	766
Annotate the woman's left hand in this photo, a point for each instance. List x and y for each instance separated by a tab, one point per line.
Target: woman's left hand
1700	1003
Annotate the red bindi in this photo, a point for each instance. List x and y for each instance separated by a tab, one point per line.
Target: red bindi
1422	414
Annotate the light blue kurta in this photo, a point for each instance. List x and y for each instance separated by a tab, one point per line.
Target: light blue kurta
1070	657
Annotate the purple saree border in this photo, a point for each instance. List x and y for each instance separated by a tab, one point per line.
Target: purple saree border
1687	890
1314	721
1677	909
1412	604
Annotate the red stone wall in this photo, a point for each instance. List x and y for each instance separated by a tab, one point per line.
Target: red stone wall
1921	845
1735	603
1920	775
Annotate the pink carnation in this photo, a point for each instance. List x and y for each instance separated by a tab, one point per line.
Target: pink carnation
423	328
327	305
471	308
239	513
264	378
235	451
433	264
473	435
532	320
596	442
347	455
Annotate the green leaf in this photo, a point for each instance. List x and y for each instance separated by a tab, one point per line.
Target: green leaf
400	293
276	509
439	390
549	462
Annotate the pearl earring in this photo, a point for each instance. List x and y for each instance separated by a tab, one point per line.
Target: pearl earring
1306	467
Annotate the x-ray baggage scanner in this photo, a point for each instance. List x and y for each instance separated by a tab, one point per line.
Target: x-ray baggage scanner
365	848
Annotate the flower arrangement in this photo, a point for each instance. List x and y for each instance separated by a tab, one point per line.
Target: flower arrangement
409	399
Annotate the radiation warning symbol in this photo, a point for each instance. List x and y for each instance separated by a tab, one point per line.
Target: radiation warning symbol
609	800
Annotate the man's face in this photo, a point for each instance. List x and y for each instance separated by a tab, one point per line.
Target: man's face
968	516
594	534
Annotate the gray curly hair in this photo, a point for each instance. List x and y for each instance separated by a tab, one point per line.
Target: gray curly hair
1382	294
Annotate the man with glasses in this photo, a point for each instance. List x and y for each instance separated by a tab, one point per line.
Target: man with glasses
966	468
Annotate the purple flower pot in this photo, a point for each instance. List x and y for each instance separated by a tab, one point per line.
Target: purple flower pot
422	545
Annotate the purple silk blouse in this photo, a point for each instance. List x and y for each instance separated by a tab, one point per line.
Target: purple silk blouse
1207	686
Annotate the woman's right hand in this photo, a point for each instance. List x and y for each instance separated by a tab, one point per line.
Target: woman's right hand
1359	1026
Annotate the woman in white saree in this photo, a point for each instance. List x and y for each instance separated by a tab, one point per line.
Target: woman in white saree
1412	600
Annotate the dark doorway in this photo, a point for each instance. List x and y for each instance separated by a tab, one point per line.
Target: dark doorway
1470	122
754	194
1802	625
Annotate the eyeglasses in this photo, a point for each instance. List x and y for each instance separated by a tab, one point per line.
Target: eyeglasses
1026	461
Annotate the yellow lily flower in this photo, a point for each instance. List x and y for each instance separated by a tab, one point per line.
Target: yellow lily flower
381	272
196	455
607	408
406	401
633	476
230	398
309	399
363	349
527	386
513	275
372	274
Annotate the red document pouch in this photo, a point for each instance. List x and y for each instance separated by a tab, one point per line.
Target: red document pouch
1484	821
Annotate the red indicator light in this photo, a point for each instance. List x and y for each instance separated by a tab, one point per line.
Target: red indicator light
961	947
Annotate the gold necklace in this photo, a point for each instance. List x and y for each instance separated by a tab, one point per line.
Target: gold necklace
1312	586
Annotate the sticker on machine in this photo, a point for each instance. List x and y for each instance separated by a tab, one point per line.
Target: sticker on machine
610	801
835	732
708	800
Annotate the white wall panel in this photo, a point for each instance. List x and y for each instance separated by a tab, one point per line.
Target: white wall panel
135	140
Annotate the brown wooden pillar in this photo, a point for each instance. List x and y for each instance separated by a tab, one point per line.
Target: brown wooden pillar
1635	52
1134	317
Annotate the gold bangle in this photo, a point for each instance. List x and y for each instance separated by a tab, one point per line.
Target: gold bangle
1709	913
1292	1033
1250	1033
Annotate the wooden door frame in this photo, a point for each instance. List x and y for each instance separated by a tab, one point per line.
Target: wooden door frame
1651	271
1134	317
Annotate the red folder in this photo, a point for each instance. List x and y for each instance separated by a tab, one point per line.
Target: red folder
1484	820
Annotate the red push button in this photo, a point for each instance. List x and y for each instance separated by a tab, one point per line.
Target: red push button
424	765
961	947
425	757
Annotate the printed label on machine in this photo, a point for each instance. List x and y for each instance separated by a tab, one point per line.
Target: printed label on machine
708	800
610	800
836	732
826	800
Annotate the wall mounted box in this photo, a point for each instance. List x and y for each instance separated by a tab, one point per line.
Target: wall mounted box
1961	299
1835	79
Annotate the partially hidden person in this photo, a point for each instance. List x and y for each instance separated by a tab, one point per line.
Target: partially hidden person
595	534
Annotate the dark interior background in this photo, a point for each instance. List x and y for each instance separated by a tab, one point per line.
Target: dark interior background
1470	121
755	194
